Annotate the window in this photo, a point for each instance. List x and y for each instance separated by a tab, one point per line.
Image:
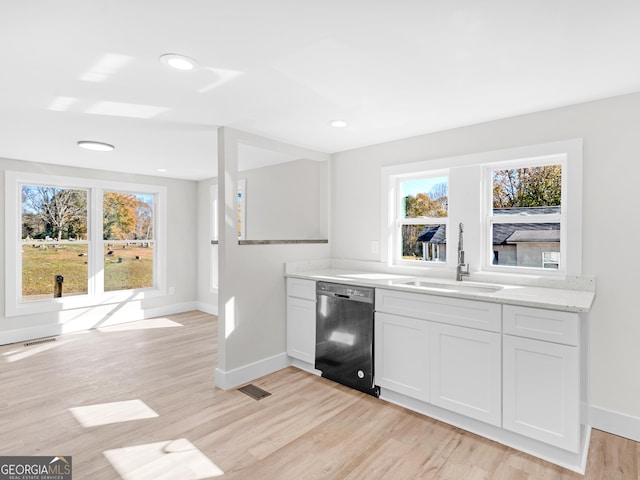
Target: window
525	220
242	209
73	241
54	241
127	232
550	260
242	227
521	208
421	219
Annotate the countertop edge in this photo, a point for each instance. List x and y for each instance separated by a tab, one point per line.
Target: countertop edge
576	301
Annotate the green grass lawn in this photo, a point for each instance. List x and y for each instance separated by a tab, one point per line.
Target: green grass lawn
124	268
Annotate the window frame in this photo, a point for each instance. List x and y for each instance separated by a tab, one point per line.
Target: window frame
469	203
213	229
95	286
213	233
393	244
490	219
242	193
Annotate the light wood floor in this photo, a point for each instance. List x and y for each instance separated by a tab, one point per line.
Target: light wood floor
309	428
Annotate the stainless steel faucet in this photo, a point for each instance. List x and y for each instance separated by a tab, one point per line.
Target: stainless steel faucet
460	273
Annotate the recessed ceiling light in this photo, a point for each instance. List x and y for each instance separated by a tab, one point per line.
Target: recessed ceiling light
179	62
97	146
338	123
162	169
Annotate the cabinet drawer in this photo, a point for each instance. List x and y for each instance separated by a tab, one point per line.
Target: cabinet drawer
454	311
541	324
299	288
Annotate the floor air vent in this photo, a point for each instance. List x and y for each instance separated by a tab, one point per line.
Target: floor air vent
39	341
254	392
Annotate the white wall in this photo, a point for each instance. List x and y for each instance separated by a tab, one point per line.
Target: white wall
610	129
283	201
181	261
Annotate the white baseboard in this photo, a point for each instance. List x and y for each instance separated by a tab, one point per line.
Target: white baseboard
169	309
233	378
207	308
564	458
307	367
92	321
31	333
614	422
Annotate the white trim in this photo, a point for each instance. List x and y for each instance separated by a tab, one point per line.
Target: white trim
472	211
571	461
213	233
616	423
209	308
302	365
89	322
233	378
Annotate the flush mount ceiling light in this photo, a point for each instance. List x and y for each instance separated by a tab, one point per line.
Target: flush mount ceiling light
96	146
179	62
338	123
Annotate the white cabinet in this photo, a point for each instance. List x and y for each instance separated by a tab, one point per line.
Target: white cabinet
425	350
402	355
301	319
518	373
466	371
541	379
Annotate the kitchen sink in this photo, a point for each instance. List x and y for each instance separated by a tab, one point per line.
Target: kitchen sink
450	287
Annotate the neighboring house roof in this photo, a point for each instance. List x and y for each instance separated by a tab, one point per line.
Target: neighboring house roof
433	234
526	236
507	233
504	233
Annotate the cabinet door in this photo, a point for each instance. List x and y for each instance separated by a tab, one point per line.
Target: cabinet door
401	355
466	371
301	329
542	391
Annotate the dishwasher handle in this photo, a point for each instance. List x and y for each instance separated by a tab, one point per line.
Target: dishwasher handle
346	292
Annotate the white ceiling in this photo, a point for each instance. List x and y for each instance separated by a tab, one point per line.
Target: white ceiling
78	70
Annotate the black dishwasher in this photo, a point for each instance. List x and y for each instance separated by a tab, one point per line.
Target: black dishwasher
344	335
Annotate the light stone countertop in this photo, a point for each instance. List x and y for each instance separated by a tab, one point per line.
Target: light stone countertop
563	299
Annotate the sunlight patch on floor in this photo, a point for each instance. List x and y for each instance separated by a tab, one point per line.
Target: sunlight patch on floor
142	325
168	460
114	412
26	352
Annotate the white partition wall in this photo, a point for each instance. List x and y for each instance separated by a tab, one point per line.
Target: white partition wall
251	285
